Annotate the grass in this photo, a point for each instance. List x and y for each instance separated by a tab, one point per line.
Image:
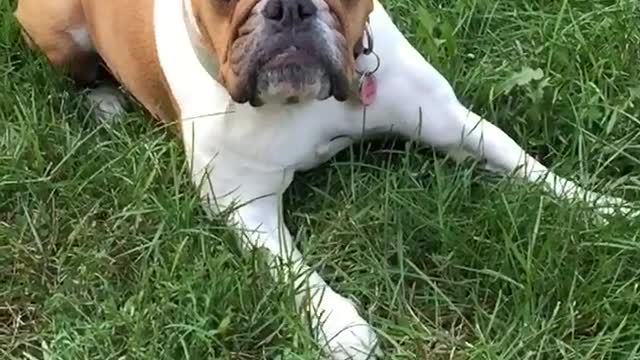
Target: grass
106	254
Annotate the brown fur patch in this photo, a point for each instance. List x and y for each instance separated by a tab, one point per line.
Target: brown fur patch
123	35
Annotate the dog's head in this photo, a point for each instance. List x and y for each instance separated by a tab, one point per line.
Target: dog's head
283	51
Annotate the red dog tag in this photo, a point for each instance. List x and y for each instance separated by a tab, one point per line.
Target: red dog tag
368	89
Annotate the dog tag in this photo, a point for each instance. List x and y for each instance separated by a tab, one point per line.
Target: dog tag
368	89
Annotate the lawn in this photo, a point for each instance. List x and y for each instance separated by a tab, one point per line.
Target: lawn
106	254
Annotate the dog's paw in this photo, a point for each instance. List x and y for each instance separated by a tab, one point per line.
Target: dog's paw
342	333
106	102
615	206
612	206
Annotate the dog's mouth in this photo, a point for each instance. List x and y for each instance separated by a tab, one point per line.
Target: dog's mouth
292	56
294	75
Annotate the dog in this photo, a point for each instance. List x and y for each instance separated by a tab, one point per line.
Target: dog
261	89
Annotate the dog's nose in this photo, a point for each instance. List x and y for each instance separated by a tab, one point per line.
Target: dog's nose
289	13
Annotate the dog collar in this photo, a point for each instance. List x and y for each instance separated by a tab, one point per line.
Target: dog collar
366	84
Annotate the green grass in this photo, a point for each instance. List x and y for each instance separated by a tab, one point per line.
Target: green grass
106	254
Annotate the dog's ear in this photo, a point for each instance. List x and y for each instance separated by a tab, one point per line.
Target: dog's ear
353	16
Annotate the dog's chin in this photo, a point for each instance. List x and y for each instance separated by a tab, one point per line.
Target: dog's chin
291	84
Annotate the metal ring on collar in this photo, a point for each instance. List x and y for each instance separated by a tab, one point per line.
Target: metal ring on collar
370	72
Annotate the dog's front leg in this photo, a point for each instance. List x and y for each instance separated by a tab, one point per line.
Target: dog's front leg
421	104
253	201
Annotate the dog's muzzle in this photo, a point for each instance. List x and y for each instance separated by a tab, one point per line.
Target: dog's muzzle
290	51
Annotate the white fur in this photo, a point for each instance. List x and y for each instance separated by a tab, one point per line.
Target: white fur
106	102
248	156
81	37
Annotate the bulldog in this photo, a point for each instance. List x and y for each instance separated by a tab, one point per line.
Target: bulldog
261	89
